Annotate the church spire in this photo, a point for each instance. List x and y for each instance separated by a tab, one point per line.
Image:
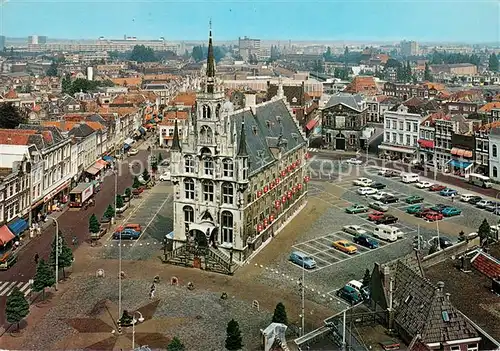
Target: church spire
210	57
242	147
176	145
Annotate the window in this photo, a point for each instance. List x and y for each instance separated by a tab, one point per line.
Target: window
189	164
495	150
245	169
401	139
408	140
227	227
206	112
208	166
408	126
227	193
455	348
387	137
188	217
495	172
472	347
415	126
352	139
227	167
208	191
189	188
206	135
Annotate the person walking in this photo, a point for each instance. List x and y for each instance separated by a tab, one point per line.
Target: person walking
36	258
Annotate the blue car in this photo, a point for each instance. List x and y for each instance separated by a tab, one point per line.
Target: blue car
451	211
448	192
303	260
127	234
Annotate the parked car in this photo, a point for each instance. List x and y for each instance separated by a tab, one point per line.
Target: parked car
424	185
378	206
483	203
349	294
356	208
438	208
414	209
127	234
138	190
475	199
345	246
378	185
383	171
375	215
134	226
423	212
366	191
354	161
366	241
493	206
414	199
303	260
354	229
392	173
448	192
444	241
468	237
363	182
451	211
433	216
133	152
380	195
389	199
387	219
466	197
437	187
105	219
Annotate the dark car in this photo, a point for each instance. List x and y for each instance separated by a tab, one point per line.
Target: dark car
475	199
439	207
444	242
389	199
387	219
105	219
392	173
418	166
366	241
378	185
349	294
423	212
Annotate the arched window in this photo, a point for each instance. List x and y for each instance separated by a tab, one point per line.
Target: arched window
227	193
217	111
206	112
227	227
189	164
188	217
495	150
208	191
208	166
206	135
495	172
227	168
189	188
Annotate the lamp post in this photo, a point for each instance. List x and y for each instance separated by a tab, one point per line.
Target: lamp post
119	252
57	248
134	321
302	291
30	197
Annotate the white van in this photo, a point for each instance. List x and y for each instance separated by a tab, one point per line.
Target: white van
409	177
387	232
356	285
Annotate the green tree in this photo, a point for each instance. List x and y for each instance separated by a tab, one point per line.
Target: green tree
493	63
17	307
119	201
65	258
145	175
279	315
484	232
10	117
52	71
94	225
427	73
137	183
367	278
110	212
197	53
141	53
160	158
66	84
128	192
234	340
175	345
44	277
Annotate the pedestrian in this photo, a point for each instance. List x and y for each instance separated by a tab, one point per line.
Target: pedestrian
36	258
75	241
152	291
452	197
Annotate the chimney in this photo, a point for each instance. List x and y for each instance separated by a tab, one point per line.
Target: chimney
386	273
447	296
250	101
440	286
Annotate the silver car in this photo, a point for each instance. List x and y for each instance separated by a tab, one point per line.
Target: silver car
379	206
353	229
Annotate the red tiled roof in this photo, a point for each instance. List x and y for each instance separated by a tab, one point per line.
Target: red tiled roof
21	137
188	99
11	95
362	84
487	264
489	106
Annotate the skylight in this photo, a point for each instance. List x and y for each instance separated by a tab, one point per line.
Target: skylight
408	299
445	316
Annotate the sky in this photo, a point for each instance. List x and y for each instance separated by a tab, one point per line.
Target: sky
473	21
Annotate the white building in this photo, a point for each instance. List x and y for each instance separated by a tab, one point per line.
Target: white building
401	133
494	151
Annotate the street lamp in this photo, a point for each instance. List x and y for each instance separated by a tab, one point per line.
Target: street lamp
27	166
57	248
119	249
134	321
302	291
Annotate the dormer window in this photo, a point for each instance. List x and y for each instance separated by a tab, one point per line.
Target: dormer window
446	316
295	136
408	299
254	130
268	124
294	100
278	118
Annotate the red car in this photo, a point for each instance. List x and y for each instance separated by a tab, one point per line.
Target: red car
424	212
433	216
138	190
437	187
375	216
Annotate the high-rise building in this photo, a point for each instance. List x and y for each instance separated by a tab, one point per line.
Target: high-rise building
409	48
2	43
248	47
42	39
37	39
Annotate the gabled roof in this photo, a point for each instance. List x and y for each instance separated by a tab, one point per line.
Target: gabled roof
11	94
187	99
487	264
489	106
68	100
81	130
361	84
414	102
294	93
345	99
55	134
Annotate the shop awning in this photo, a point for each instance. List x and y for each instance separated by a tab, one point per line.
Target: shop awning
461	152
18	226
5	235
108	159
311	124
460	164
428	144
396	149
468	154
102	162
92	170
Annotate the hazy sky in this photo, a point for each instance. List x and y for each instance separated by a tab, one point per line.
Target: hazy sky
423	20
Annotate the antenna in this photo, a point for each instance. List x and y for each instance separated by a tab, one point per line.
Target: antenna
210	24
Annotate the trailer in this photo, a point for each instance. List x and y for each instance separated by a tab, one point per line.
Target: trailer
81	194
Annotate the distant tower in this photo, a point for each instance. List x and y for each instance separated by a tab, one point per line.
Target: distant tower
90	73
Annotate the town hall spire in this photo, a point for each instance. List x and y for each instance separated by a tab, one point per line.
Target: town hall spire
176	145
210	57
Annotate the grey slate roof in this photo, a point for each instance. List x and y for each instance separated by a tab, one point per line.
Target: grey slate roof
349	100
57	137
272	125
81	131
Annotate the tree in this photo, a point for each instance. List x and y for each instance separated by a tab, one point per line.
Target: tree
110	212
427	73
94	225
160	158
493	63
197	53
176	345
279	315
234	340
367	278
119	201
10	117
141	53
484	232
17	307
137	183
44	277
66	84
52	71
145	175
65	258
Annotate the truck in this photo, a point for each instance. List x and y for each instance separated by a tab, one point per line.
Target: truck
79	195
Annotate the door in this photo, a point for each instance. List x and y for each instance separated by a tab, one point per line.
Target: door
340	142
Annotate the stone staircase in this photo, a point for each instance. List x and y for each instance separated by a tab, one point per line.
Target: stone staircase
212	259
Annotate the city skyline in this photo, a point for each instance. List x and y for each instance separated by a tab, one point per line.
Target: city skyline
334	21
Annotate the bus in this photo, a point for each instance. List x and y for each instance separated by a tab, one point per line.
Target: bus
479	180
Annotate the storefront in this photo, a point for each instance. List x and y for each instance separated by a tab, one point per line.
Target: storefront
95	170
18	226
6	239
57	197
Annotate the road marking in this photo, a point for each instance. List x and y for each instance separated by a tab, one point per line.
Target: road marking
152	219
3	285
17	286
7	289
